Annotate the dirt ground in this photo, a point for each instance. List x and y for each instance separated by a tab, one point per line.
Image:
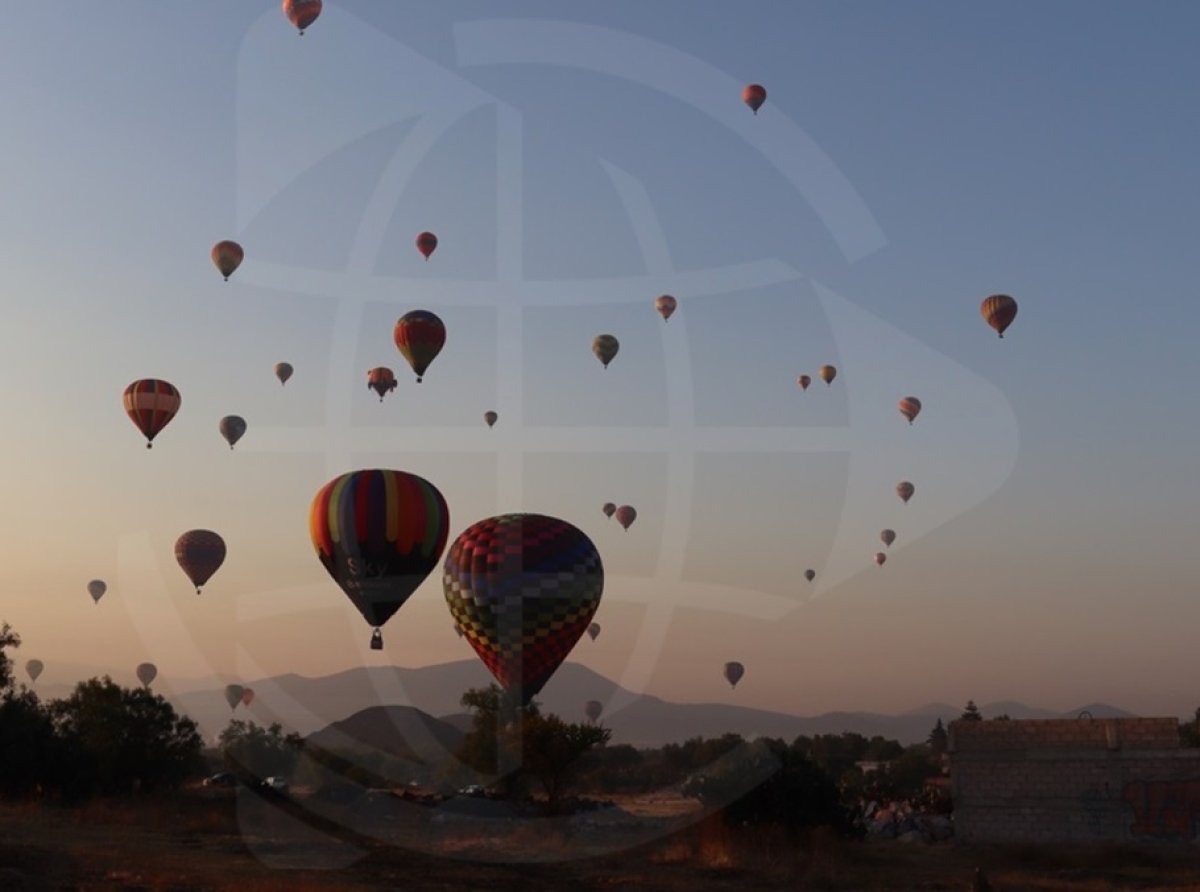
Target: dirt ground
237	840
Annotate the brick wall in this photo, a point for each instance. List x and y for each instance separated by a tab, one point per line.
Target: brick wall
1073	780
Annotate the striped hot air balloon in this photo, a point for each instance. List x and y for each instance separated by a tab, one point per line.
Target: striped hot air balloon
200	553
665	304
523	588
999	311
910	408
419	336
379	533
151	404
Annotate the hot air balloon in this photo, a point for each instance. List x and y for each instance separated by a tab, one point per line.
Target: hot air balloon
827	373
490	418
609	509
754	95
233	695
999	311
419	336
302	13
247	696
228	257
381	380
626	515
232	427
426	244
733	673
665	304
524	588
200	553
810	575
379	533
905	490
593	630
910	408
283	371
146	673
605	347
96	588
804	381
880	558
34	668
151	404
593	709
888	537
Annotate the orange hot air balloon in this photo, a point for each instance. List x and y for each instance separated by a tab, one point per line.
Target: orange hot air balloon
754	95
302	13
427	243
910	408
626	515
804	381
827	373
151	404
880	558
999	311
228	256
381	380
419	336
665	304
887	537
905	490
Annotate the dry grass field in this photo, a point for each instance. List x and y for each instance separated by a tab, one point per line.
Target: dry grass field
198	840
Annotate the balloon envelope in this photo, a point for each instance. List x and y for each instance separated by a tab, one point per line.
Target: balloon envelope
888	537
283	371
200	553
733	673
609	509
381	380
232	427
905	490
999	311
427	243
379	533
593	630
754	95
34	668
524	588
151	404
593	709
491	418
880	558
228	257
419	336
910	408
827	373
804	381
146	673
96	588
605	347
810	575
302	13
233	695
665	304
626	515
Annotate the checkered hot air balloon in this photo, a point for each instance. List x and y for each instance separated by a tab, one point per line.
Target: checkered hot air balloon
523	588
379	533
419	336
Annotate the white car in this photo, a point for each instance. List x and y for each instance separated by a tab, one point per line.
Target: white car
275	783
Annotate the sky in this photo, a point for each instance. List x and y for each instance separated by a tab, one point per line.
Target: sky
910	160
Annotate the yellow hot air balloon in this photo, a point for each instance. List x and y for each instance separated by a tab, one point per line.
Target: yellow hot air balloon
827	373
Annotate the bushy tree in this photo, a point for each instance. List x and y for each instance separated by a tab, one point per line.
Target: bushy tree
971	713
119	739
254	752
8	640
30	758
552	752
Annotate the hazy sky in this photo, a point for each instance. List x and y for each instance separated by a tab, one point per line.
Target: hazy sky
910	160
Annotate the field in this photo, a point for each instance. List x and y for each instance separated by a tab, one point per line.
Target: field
201	840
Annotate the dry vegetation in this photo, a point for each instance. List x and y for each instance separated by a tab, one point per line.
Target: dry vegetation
200	841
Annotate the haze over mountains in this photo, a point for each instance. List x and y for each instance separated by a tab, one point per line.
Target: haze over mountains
307	705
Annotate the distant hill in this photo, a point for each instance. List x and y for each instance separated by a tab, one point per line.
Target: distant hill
308	705
401	731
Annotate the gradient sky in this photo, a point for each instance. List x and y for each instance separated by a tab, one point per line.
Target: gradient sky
910	160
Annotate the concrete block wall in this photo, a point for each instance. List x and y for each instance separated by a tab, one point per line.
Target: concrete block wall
1073	780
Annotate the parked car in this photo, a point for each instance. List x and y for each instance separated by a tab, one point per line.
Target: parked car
275	784
472	790
220	779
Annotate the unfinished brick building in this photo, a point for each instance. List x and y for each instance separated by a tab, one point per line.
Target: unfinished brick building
1073	780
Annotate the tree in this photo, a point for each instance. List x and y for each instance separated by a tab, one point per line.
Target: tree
552	750
938	739
29	751
8	639
971	713
254	752
1189	732
119	739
